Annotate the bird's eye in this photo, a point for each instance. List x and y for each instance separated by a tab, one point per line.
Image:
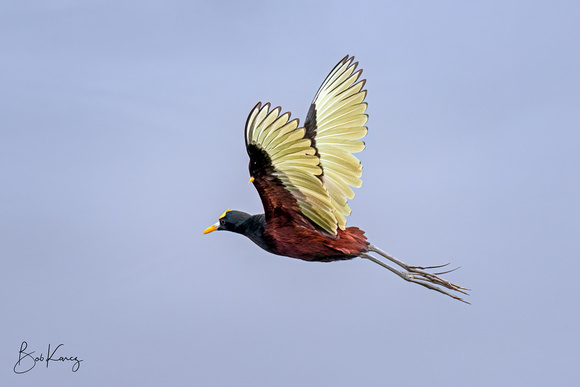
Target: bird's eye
222	222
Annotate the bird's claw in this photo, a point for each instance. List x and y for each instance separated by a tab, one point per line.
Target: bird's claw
432	280
428	267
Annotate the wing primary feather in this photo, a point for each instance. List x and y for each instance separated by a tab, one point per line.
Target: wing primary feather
315	163
335	123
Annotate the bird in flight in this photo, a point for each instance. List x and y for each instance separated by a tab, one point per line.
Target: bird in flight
304	177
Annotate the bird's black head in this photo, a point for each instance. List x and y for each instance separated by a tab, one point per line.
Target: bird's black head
230	221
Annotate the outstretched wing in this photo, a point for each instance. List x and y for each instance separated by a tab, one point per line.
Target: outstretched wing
335	122
286	169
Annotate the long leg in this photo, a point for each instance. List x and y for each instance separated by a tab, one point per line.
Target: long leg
416	274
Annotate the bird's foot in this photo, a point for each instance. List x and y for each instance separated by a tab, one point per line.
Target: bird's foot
420	275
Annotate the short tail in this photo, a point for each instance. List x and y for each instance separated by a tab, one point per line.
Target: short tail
416	274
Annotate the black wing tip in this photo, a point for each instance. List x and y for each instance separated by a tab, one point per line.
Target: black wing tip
256	106
269	109
347	59
267	106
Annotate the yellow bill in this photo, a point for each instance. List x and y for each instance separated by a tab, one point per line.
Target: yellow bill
211	228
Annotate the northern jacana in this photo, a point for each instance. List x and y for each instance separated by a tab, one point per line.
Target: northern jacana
304	177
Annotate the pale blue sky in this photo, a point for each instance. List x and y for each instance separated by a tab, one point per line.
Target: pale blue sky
122	139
